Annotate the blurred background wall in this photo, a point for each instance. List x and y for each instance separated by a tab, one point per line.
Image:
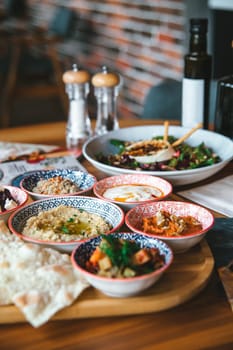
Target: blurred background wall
143	40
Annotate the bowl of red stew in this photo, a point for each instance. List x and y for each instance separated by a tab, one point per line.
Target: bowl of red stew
122	264
181	225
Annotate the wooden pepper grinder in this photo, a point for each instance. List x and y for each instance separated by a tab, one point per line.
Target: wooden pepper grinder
106	89
78	128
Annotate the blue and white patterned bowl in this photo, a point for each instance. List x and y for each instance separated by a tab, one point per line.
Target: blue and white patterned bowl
110	212
121	287
83	180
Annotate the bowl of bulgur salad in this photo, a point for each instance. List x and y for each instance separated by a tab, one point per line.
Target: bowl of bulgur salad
57	182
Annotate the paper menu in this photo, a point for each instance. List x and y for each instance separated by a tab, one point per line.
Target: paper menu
12	149
10	170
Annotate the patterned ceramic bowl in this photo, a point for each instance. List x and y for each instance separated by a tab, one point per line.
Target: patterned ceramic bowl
179	243
109	212
121	287
57	182
20	198
130	190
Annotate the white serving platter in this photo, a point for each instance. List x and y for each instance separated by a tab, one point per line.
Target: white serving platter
221	145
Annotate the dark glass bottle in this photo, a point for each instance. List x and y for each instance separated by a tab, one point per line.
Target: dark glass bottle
197	75
224	105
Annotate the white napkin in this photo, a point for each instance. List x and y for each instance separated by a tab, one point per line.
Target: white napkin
217	195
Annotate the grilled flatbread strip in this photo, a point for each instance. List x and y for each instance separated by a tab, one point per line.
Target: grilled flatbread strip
187	135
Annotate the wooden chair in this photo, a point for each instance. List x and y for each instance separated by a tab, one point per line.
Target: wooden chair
35	68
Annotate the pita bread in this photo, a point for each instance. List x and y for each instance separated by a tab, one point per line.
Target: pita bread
5	234
39	281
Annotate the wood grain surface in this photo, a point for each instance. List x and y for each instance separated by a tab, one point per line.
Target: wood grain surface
187	276
203	322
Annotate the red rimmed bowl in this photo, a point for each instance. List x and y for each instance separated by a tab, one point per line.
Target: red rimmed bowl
179	243
20	199
130	190
122	287
111	213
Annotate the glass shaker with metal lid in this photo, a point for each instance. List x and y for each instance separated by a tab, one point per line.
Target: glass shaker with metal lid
106	89
78	128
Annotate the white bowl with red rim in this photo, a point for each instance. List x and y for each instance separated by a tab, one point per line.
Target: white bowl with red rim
110	212
179	243
130	190
19	196
127	286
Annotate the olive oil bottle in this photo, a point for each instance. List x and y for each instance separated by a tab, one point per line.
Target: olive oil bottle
224	105
197	75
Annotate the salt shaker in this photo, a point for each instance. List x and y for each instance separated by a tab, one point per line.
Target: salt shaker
78	128
106	89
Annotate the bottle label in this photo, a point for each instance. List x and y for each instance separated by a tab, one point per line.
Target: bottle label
193	94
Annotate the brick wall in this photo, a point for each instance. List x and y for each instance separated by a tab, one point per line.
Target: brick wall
143	40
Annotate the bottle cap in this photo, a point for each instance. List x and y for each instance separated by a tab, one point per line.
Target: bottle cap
76	76
105	78
198	25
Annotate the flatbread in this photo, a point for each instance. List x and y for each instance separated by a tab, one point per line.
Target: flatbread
39	281
5	234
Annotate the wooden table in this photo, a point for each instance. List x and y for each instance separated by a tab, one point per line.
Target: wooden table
204	322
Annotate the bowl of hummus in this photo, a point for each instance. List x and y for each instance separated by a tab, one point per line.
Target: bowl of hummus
65	222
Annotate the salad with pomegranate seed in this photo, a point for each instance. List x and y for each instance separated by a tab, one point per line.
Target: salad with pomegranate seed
159	155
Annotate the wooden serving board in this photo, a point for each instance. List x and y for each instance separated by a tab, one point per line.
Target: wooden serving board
186	277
